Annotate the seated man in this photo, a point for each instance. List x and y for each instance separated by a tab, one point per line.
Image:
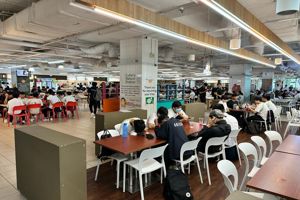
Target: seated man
170	129
35	100
267	100
216	127
177	112
15	101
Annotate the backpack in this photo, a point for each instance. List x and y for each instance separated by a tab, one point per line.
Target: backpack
177	186
97	94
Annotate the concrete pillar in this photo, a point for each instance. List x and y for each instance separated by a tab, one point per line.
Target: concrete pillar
138	73
241	75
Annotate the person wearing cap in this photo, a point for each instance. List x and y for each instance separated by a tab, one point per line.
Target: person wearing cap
177	112
216	127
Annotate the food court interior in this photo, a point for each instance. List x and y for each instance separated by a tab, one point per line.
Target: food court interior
160	99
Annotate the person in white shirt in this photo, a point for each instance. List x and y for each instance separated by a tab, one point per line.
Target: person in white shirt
15	101
52	98
223	101
271	106
260	112
177	112
35	100
67	99
23	98
152	120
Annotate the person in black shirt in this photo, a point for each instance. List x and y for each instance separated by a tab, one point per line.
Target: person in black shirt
216	127
202	93
233	106
170	129
233	102
92	93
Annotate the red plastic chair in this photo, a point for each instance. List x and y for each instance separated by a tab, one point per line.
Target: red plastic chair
72	107
59	105
22	114
38	115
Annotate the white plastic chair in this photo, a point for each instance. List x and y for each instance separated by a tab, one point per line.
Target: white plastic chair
272	137
227	169
116	156
261	148
233	136
248	149
146	164
215	141
190	146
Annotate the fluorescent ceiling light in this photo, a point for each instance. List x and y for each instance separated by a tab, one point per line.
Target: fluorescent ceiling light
56	62
165	69
123	18
226	13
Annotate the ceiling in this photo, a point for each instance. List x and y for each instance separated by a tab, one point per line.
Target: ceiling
42	33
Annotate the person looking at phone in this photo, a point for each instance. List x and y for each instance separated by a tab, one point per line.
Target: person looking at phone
177	112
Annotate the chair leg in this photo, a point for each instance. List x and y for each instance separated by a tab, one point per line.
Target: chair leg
199	170
124	176
238	153
97	170
141	185
118	173
189	169
161	175
207	169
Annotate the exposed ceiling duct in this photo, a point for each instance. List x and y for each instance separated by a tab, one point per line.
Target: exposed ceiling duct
101	49
166	53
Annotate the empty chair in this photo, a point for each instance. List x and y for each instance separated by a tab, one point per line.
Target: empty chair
216	141
227	169
232	138
145	164
116	156
272	137
248	149
261	147
190	146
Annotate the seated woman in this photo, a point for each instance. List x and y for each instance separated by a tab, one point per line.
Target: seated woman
35	100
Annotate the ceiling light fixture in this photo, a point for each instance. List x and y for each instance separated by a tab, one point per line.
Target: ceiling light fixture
226	13
60	67
56	62
123	18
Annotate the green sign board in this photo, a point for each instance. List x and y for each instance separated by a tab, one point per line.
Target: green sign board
149	100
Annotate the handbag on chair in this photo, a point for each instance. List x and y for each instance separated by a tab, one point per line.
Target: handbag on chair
104	152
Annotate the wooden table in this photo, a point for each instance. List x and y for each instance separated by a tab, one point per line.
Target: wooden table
129	145
290	145
280	176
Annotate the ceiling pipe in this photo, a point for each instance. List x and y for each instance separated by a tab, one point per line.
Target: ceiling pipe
100	49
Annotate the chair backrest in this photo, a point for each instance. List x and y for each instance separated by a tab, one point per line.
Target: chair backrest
58	105
19	108
234	133
71	104
278	111
295	112
189	146
215	141
261	147
288	115
113	133
248	149
227	169
33	106
273	136
151	154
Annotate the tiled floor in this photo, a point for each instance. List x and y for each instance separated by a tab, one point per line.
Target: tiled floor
83	128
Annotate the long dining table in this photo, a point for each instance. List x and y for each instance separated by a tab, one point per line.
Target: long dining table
279	176
133	144
290	145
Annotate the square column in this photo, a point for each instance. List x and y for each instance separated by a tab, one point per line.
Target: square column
138	73
241	75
